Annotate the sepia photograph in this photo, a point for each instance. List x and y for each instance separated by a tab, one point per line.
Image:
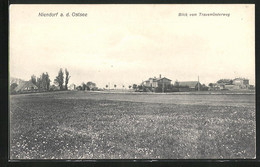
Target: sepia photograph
132	81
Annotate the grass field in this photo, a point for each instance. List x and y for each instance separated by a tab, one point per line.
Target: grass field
89	125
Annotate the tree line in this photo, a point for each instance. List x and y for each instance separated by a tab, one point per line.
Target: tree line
87	86
59	80
43	82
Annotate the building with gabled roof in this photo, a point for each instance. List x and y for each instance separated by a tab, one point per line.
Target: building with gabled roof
157	82
235	84
242	83
26	86
188	85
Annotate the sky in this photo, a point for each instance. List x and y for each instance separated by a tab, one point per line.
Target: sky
127	44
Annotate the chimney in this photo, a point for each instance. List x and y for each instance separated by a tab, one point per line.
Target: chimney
160	76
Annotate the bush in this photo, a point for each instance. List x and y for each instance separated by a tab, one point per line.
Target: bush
12	87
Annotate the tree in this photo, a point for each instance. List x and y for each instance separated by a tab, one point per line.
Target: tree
91	84
140	87
211	85
115	86
53	88
39	83
106	86
33	79
225	81
134	86
46	81
129	86
67	77
12	87
59	80
43	83
204	87
79	87
84	86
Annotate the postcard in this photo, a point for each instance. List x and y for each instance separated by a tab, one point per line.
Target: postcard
132	81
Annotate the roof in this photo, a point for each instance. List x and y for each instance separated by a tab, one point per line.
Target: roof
191	84
156	79
24	85
221	84
240	79
230	85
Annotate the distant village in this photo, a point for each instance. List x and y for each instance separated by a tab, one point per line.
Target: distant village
163	84
153	84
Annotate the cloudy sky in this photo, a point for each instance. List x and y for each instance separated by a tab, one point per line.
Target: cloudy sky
125	44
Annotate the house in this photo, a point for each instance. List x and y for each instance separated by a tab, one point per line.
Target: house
54	88
221	86
157	82
26	86
188	86
213	87
229	84
72	87
231	87
235	84
242	83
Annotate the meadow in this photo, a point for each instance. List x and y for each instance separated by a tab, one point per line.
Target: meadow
92	125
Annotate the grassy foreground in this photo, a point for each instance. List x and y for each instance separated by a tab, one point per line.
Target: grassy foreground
84	125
